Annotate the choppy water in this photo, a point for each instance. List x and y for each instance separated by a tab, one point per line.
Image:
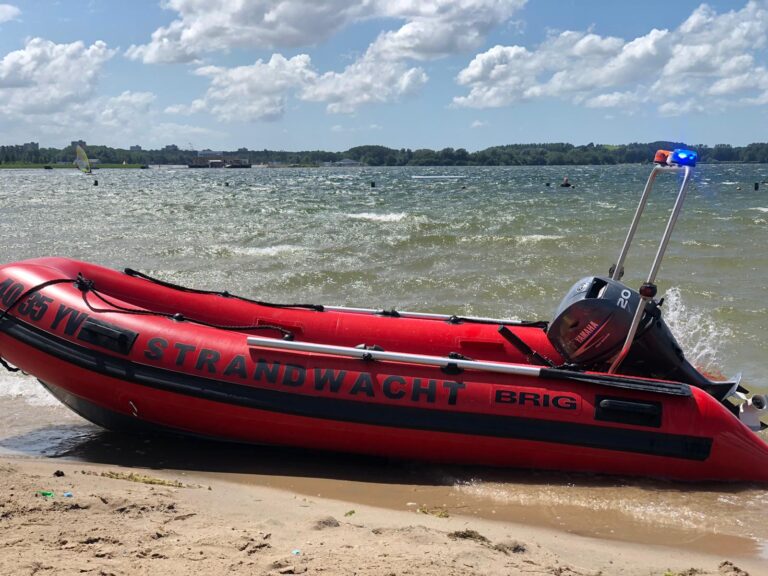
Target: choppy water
491	241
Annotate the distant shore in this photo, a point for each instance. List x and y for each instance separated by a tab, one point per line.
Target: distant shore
532	154
31	166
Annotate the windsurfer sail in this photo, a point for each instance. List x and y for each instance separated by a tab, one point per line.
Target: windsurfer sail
81	160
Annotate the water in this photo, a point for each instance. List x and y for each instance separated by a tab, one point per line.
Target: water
492	241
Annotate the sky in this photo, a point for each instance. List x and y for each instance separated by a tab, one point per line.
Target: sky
333	74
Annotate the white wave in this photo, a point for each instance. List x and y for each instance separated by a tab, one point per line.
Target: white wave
665	511
759	209
264	250
437	177
534	238
18	385
392	217
699	336
697	243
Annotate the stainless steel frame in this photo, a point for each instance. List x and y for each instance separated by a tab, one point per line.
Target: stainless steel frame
658	169
361	353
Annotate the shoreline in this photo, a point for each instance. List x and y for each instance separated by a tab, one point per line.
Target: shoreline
125	520
57	166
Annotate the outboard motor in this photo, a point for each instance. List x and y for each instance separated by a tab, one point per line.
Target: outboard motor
591	325
603	325
593	320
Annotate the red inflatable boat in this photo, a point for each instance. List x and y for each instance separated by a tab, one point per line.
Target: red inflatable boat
603	387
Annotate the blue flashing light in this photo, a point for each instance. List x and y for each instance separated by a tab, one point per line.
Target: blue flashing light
684	157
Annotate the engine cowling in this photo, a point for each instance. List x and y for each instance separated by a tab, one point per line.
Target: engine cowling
593	320
592	323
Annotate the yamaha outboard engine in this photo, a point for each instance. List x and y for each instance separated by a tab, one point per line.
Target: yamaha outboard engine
591	325
603	325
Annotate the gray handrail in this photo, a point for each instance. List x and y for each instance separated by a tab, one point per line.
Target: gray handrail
362	353
657	169
648	290
420	315
646	385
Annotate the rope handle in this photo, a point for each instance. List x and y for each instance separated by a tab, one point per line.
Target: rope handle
87	286
225	294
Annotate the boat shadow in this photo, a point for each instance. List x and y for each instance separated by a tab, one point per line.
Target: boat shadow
90	444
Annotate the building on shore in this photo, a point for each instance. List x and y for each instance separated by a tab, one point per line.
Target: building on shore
211	159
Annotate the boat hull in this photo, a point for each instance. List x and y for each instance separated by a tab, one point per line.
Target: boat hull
131	370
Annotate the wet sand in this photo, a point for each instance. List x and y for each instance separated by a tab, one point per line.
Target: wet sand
694	517
66	517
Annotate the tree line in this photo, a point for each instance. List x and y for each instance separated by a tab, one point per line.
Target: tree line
508	155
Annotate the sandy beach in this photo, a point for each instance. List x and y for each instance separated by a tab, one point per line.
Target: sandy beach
65	517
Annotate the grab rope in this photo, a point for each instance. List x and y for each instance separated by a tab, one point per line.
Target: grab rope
31	291
225	294
16	302
87	286
320	308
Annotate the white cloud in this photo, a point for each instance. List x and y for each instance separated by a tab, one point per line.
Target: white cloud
221	25
50	90
121	111
568	65
261	91
45	77
498	77
430	29
341	129
256	92
678	107
8	12
108	116
614	100
366	81
709	60
119	120
122	118
438	28
715	54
